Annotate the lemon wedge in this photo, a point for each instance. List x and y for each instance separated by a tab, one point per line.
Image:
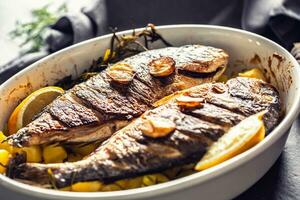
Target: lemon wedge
238	139
31	106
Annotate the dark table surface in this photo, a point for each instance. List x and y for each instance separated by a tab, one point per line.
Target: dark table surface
282	182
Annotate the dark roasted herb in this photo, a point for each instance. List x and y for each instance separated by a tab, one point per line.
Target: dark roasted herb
120	47
128	45
13	163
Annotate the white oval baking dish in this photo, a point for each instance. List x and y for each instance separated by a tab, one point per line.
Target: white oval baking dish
224	181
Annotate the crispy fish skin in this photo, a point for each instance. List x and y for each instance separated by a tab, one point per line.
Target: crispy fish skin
95	109
129	153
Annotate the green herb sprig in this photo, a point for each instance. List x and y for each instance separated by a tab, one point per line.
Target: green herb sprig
31	34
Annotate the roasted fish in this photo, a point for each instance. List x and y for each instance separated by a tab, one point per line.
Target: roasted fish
180	132
95	109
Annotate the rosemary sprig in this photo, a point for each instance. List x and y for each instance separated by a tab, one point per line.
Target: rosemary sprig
31	34
120	47
127	45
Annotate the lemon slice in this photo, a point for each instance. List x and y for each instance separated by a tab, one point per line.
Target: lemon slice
238	139
32	105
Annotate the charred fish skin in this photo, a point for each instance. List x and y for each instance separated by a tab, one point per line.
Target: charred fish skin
130	153
84	111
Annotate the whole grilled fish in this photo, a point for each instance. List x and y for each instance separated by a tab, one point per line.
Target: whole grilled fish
129	152
95	109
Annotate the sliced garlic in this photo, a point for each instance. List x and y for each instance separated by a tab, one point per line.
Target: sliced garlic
161	67
157	127
218	88
189	102
121	73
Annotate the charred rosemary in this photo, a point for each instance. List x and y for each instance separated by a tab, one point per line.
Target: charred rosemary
120	47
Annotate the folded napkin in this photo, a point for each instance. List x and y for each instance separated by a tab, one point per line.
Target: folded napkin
276	19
